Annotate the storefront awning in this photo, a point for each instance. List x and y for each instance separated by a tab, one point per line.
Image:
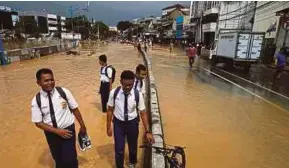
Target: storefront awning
282	12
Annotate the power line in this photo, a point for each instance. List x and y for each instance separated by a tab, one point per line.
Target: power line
248	12
264	19
238	9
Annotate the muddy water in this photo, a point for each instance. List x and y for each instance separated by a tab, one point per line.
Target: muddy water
22	144
221	125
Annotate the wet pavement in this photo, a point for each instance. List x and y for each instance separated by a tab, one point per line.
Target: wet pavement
22	144
222	123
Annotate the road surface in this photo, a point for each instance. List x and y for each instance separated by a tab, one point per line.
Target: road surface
221	124
22	144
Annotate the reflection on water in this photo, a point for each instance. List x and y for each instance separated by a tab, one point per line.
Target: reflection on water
24	145
221	125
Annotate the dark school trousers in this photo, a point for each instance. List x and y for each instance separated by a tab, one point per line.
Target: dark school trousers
122	130
62	150
191	61
104	92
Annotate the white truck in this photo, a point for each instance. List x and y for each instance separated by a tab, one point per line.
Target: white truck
239	48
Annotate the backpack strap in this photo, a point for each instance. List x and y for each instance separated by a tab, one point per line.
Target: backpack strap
62	93
38	100
116	93
141	83
136	96
106	74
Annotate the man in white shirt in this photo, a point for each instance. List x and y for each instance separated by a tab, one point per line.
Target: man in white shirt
105	81
124	106
53	110
139	83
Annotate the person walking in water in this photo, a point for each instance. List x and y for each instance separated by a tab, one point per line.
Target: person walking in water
145	46
191	52
171	48
106	79
53	110
140	75
281	63
125	105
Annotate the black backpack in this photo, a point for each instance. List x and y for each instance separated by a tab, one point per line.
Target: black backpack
113	73
59	90
136	95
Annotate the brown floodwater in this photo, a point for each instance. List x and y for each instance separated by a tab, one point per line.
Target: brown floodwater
220	125
22	144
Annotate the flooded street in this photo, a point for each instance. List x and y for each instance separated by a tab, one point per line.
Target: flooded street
220	125
22	144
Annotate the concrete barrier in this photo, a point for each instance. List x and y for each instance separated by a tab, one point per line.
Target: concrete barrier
155	160
26	53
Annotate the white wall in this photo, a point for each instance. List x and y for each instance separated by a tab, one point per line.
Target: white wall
266	16
209	27
242	16
164	12
51	16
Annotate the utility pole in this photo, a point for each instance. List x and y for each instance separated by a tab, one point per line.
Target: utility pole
98	30
191	9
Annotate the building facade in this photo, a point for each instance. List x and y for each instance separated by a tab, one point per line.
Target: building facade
209	21
52	23
204	16
8	18
268	20
30	18
236	15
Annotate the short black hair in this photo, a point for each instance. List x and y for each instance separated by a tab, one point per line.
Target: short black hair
127	74
140	67
43	71
103	58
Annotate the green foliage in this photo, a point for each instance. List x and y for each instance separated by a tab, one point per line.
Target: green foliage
123	25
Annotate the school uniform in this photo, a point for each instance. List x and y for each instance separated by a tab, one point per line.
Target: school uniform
55	111
125	124
105	86
140	86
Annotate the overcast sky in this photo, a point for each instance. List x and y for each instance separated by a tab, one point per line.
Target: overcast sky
108	12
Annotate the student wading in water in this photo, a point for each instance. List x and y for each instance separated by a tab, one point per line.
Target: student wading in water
125	105
140	75
107	74
53	110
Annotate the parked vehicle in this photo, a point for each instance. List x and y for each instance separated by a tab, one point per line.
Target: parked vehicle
239	48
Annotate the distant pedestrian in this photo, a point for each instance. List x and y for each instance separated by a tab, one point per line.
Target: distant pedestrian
171	48
145	46
139	46
53	110
281	62
135	44
199	49
140	75
191	52
106	79
125	105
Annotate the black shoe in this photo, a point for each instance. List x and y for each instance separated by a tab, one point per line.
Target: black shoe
81	142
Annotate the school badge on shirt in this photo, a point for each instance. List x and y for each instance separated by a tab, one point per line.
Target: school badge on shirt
63	103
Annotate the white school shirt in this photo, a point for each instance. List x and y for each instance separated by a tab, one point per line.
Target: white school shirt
143	89
64	117
103	77
118	105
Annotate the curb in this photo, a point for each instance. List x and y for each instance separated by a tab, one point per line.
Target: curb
156	160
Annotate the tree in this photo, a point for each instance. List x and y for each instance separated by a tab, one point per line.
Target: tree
123	25
103	29
76	22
